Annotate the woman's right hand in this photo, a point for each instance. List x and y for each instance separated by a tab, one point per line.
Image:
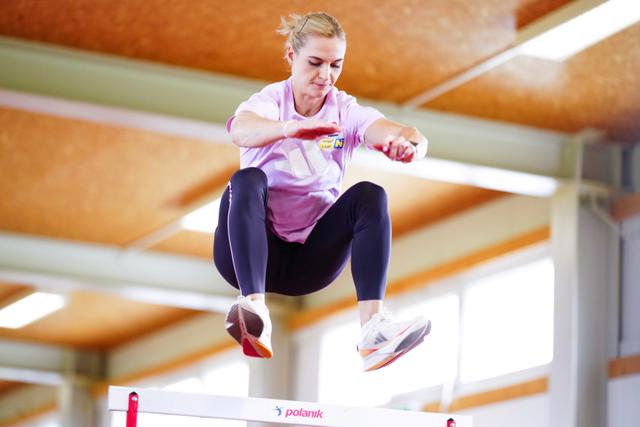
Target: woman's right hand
308	129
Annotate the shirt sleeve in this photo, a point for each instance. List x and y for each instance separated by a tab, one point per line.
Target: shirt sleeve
356	119
263	103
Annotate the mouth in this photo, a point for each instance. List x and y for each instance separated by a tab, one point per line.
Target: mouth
321	85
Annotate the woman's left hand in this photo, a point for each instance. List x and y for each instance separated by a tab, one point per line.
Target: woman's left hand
397	148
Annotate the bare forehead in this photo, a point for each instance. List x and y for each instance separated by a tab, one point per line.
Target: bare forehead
326	48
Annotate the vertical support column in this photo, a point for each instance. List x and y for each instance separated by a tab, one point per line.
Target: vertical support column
630	318
76	404
77	408
630	227
634	169
270	378
581	245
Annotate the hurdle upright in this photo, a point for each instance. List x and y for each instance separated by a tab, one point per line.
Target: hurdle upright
141	400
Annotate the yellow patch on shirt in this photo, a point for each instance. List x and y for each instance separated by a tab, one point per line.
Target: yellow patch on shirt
331	142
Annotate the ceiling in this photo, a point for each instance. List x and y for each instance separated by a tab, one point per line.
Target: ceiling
98	183
418	44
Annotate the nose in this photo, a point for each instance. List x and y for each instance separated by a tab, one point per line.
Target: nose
325	71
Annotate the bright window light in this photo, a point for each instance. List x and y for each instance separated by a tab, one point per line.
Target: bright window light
507	322
583	31
29	309
204	219
343	382
479	176
230	379
187	385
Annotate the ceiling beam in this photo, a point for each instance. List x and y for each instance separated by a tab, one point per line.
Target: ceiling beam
19	406
119	82
166	99
124	92
32	363
63	266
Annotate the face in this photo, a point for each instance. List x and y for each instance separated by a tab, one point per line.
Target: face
316	68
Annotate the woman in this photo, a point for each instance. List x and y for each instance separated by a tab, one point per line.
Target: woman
284	227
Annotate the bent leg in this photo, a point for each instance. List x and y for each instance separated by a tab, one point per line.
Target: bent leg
240	243
357	224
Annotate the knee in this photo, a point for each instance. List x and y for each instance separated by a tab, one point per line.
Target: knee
249	180
372	197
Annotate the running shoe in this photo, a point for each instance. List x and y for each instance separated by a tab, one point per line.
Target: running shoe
248	322
383	340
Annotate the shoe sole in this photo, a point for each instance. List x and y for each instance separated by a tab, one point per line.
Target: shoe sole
246	327
406	345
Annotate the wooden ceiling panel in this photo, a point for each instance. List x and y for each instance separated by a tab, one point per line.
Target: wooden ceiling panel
10	291
97	321
597	88
7	386
417	43
85	181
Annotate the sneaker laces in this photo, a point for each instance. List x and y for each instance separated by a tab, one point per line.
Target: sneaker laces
381	317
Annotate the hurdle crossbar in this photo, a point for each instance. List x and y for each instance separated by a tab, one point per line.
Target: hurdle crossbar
140	400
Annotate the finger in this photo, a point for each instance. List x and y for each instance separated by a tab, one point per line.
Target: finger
383	147
327	128
409	156
408	151
398	145
393	152
402	151
324	124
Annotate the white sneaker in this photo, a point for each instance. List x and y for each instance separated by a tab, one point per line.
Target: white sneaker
383	341
248	322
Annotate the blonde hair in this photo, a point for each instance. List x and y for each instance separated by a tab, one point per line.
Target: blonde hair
298	28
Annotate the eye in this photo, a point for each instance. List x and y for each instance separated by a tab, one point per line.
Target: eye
315	64
336	66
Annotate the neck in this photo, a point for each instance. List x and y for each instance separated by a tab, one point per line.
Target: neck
306	105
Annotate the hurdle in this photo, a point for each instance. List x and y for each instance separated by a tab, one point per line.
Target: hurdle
140	400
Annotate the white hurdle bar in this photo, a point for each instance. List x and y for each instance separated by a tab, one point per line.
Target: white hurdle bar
140	400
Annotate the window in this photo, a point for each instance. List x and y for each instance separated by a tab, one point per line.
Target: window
490	322
507	321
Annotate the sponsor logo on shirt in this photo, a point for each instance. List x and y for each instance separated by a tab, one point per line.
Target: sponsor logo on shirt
331	142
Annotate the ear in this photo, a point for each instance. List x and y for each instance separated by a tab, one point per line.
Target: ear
290	55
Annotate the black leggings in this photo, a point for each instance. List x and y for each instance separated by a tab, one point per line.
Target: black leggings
253	259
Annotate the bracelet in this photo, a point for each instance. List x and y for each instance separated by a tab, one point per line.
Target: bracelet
284	128
421	148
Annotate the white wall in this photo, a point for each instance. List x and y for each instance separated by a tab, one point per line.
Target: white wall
623	409
624	402
526	412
